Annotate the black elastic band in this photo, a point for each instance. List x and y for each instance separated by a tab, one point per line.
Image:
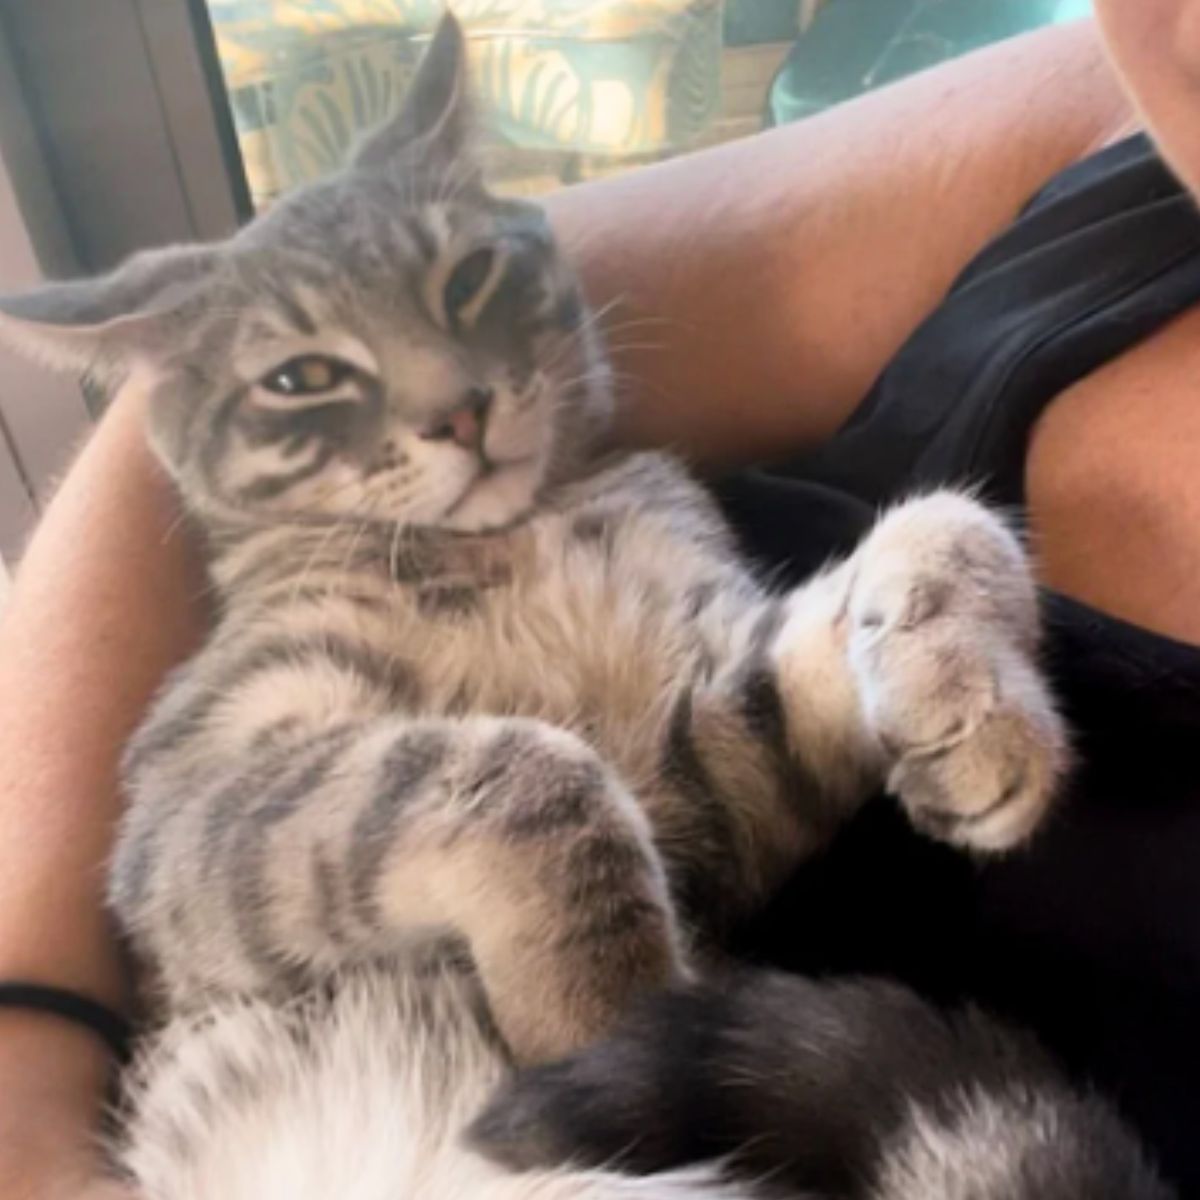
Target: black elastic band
115	1031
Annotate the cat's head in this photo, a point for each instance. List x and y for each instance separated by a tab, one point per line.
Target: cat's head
394	342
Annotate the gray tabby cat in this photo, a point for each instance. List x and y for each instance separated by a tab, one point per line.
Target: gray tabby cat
478	685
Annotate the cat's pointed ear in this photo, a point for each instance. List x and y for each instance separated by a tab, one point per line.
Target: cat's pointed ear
118	317
435	128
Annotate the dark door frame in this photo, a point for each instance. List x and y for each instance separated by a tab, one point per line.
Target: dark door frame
115	135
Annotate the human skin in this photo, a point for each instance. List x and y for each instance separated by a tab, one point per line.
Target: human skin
770	308
1155	47
107	598
1112	462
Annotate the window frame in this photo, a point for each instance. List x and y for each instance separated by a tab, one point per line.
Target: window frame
91	96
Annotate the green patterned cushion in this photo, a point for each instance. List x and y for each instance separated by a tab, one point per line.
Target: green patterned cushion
585	82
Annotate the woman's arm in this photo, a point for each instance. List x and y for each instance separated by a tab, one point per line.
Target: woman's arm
776	276
106	600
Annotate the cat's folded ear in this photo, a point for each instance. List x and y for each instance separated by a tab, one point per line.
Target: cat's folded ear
111	320
433	133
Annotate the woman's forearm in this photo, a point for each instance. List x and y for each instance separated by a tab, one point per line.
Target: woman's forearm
107	598
754	291
52	1083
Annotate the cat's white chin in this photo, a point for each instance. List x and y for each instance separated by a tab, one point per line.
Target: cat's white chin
498	498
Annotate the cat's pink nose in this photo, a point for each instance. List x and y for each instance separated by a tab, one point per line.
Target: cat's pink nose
463	424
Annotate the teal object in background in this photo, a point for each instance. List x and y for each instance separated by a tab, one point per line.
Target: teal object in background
854	46
752	22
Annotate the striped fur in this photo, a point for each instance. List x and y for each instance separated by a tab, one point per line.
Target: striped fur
474	678
543	729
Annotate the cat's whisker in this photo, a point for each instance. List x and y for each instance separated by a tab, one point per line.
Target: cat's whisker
642	322
609	330
598	372
310	563
560	387
625	347
364	522
593	321
455	182
574	246
399	530
600	312
448	185
324	495
575	340
174	527
570	340
610	334
561	352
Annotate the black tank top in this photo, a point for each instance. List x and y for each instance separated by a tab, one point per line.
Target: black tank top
1092	936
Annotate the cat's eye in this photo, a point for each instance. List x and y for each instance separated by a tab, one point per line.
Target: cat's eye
307	375
467	280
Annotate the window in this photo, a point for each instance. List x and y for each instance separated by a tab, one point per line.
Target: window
575	89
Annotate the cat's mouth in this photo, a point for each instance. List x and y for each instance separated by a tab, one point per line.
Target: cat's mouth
500	491
488	471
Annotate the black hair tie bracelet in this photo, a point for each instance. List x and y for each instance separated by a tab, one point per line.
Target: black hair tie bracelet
112	1028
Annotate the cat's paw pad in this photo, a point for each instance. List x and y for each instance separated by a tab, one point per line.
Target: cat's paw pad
942	634
988	783
943	554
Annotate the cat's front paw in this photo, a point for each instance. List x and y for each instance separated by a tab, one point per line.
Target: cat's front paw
942	633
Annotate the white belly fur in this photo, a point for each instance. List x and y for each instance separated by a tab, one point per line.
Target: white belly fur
362	1098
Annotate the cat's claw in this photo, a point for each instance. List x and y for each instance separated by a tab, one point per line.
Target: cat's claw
942	640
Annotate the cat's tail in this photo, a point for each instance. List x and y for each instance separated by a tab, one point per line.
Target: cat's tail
852	1088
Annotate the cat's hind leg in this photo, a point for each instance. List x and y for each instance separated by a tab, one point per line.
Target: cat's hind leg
511	834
